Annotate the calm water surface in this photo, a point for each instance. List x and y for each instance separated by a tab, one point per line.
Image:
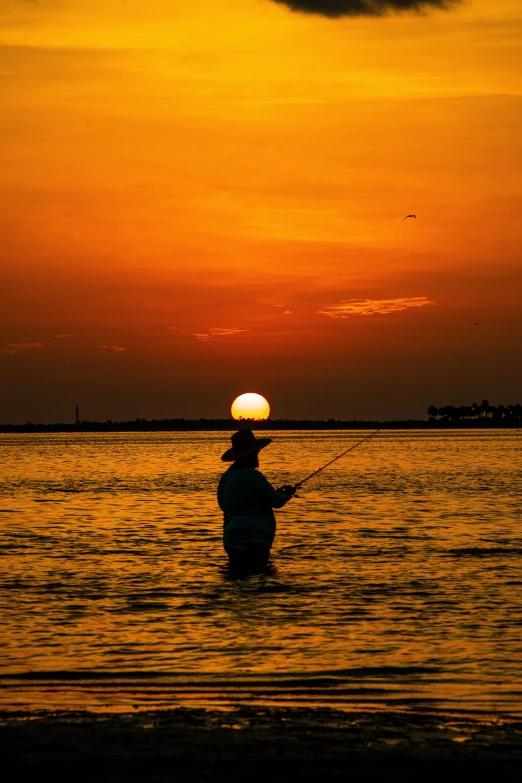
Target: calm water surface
396	579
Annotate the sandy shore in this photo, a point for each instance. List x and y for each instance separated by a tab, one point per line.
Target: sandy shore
257	744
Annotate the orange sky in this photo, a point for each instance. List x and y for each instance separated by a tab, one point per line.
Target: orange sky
196	202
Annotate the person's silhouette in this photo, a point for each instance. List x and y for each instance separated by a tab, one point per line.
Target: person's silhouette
247	500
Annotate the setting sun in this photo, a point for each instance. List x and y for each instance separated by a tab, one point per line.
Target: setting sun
250	406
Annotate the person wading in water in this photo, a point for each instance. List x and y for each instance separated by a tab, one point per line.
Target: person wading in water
247	499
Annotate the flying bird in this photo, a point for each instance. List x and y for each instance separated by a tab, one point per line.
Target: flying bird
407	216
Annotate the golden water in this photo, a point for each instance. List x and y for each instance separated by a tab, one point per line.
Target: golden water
397	573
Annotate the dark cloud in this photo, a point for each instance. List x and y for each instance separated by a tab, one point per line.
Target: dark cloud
337	8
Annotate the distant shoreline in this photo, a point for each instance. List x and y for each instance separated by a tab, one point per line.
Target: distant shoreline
220	425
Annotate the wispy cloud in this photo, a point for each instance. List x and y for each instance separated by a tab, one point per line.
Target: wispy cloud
116	348
216	333
25	346
64	335
15	347
338	8
348	307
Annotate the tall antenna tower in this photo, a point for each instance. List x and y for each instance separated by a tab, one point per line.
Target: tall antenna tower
77	415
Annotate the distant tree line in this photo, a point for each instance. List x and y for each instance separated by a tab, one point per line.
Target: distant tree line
484	411
478	416
208	425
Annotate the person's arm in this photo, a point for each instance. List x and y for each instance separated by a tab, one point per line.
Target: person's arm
276	498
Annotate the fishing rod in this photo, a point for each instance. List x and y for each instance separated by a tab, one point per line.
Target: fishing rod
299	483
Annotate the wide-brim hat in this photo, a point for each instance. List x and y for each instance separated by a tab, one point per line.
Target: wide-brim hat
244	443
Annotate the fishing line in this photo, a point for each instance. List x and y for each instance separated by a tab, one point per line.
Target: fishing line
299	483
